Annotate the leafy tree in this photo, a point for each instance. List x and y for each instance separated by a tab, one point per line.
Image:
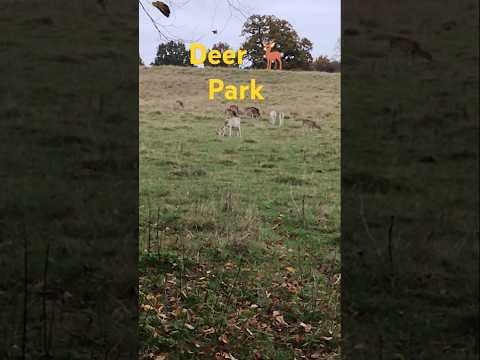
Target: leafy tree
222	47
262	28
172	53
323	63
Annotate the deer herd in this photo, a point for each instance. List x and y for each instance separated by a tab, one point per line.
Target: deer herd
232	124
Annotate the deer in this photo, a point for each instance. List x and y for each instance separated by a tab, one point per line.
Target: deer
233	111
404	45
272	56
230	124
179	103
253	112
310	124
409	47
276	117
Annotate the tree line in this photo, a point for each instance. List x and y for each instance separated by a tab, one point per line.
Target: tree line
258	29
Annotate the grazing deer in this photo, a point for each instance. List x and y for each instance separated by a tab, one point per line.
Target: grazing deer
276	117
409	47
230	124
405	45
233	111
253	112
180	103
310	124
272	56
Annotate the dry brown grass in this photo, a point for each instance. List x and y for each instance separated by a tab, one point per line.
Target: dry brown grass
314	96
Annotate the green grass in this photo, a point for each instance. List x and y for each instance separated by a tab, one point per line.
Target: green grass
239	236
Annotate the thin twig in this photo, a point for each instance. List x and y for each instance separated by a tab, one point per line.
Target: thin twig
152	20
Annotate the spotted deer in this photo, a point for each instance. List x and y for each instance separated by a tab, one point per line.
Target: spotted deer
276	117
232	124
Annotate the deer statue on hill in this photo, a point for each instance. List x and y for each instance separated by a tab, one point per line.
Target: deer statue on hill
272	56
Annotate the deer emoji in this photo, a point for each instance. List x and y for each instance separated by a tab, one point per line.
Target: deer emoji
272	56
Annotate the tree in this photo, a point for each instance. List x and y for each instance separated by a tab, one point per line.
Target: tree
262	28
222	47
323	63
172	53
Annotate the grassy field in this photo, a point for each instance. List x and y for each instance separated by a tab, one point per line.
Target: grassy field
239	236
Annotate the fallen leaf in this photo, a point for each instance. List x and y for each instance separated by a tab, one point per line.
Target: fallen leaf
209	331
306	327
298	338
223	339
290	269
147	307
190	327
164	9
279	319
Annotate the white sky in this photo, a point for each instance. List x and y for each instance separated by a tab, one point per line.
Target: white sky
194	20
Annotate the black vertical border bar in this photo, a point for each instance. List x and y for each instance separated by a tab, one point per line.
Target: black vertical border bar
410	251
69	179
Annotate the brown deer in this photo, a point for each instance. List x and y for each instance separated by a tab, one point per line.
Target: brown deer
409	47
310	124
272	56
233	111
180	104
253	112
404	45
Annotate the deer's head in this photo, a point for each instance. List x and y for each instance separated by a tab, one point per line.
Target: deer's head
268	46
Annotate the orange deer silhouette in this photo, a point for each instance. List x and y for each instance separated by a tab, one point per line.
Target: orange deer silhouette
272	56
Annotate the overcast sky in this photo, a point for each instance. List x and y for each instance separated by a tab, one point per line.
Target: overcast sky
194	20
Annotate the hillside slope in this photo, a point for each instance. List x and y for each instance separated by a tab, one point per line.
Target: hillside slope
239	235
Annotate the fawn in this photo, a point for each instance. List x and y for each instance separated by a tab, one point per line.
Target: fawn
230	124
272	56
276	117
